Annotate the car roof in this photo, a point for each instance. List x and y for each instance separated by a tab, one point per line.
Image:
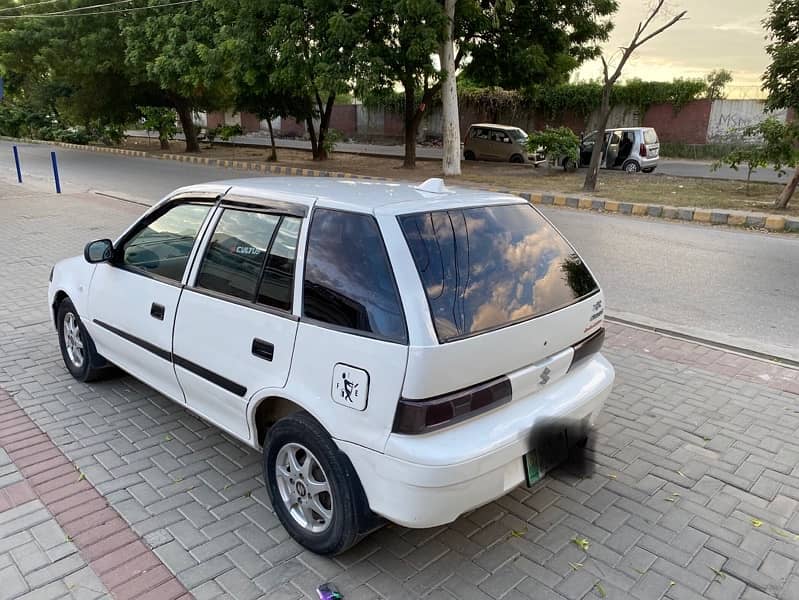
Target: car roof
495	126
356	195
625	129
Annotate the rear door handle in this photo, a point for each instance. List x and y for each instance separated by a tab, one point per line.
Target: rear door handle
157	311
262	349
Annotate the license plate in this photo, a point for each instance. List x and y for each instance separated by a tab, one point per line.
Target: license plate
552	449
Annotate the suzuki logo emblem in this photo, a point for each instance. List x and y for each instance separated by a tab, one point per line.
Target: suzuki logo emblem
545	376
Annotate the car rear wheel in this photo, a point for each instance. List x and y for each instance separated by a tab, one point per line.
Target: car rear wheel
469	155
517	158
631	166
77	347
314	489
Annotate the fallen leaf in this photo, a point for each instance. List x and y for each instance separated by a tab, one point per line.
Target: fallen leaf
706	439
167	438
227	485
757	523
612	476
600	590
582	543
82	476
639	571
780	532
248	494
681	474
576	566
670	499
672	584
718	573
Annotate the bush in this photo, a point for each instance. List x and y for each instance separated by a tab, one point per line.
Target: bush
73	135
332	137
557	144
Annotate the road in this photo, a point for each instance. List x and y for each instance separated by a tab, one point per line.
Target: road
667	166
730	286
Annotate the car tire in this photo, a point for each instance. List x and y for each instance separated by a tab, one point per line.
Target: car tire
517	159
469	155
631	166
328	515
77	348
649	170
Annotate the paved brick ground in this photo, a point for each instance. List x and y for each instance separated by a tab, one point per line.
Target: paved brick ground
694	445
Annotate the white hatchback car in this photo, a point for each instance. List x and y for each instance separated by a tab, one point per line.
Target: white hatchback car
392	348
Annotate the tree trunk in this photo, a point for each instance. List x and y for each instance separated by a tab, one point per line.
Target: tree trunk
164	140
451	164
788	191
273	156
411	122
325	113
312	135
187	123
599	143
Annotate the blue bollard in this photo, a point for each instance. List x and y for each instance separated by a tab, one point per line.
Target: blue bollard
16	162
55	173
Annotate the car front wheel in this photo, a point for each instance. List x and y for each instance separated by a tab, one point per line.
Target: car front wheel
314	489
77	348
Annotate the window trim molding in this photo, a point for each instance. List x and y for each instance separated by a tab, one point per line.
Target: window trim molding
303	318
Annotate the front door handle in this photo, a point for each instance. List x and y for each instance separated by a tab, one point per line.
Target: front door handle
157	311
262	349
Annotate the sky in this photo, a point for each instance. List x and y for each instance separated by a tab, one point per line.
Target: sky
718	34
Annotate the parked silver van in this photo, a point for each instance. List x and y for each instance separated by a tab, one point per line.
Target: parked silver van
489	141
632	149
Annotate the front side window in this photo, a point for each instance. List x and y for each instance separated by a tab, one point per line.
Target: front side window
252	252
487	267
348	279
163	245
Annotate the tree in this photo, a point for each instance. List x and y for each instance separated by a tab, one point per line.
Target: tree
170	49
717	80
640	37
518	44
451	159
311	43
781	78
401	37
162	120
771	143
559	145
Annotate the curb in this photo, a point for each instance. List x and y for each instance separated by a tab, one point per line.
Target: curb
734	218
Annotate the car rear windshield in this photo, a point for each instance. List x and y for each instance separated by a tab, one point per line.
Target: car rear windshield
488	267
650	136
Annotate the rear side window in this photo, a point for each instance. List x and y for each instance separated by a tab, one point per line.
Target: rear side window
650	136
252	251
348	278
488	267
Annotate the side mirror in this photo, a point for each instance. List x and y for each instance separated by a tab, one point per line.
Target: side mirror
98	251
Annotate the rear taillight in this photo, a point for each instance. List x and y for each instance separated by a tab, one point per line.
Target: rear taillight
588	346
642	150
423	416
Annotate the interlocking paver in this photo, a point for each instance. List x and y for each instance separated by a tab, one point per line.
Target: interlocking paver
682	419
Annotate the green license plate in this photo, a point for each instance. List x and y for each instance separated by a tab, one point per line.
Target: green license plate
532	471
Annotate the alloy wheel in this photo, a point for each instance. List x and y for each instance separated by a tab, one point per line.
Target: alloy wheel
73	340
304	488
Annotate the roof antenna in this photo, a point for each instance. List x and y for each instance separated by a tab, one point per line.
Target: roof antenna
434	185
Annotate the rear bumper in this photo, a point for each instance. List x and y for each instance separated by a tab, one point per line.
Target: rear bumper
430	480
648	163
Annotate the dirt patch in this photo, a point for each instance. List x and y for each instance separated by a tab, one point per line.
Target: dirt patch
649	188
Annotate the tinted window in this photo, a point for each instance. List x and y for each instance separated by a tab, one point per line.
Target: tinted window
162	247
277	285
348	279
487	267
650	136
236	253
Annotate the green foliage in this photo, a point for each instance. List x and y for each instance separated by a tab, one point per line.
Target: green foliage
716	81
333	137
160	119
226	132
524	43
781	78
712	151
774	144
557	144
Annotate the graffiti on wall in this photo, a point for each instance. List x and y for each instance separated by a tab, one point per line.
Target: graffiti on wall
729	117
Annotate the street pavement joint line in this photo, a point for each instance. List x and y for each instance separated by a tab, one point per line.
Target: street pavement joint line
78	508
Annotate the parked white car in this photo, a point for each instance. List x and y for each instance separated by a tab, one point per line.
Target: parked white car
393	349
